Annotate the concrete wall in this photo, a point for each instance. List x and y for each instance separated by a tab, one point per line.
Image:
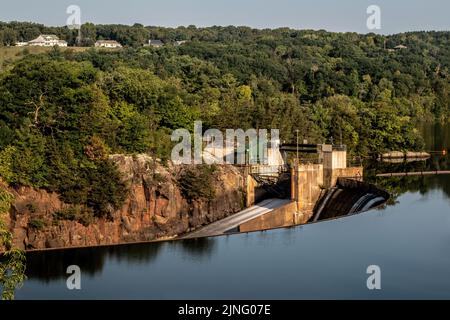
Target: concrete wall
307	186
333	162
339	159
353	172
250	194
281	217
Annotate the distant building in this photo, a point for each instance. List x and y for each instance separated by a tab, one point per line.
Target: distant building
400	47
21	44
47	40
180	42
155	43
108	44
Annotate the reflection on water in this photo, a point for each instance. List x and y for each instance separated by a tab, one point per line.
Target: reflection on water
200	247
51	265
409	240
436	136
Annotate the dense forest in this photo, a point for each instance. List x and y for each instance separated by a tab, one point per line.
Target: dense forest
63	112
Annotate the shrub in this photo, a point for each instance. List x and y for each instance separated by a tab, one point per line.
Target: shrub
6	164
37	224
97	186
197	183
31	207
107	191
6	199
79	214
96	149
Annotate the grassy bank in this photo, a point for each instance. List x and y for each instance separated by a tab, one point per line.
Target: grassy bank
8	55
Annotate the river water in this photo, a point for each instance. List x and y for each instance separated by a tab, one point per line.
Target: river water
409	240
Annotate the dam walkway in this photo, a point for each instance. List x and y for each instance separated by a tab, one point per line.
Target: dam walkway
231	223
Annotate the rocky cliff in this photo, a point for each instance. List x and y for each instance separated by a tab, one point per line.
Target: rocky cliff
154	209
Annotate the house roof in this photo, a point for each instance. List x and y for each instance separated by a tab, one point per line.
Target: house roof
108	41
156	42
45	37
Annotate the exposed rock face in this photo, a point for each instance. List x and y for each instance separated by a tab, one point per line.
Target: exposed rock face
154	209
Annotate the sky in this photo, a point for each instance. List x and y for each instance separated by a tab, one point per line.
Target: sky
332	15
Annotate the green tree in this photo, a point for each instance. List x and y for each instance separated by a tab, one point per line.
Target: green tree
12	263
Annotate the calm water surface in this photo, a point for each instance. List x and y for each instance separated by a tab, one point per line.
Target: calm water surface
409	240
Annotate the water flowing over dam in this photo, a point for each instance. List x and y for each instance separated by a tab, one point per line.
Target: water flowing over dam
349	197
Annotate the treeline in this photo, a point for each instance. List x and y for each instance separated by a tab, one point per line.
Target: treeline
310	64
62	113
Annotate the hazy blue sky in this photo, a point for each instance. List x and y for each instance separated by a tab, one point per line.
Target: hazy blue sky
333	15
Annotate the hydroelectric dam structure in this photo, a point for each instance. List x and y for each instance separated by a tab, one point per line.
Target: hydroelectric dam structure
319	187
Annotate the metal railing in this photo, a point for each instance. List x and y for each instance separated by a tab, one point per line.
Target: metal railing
268	169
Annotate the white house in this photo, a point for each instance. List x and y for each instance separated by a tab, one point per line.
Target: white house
155	43
47	40
108	44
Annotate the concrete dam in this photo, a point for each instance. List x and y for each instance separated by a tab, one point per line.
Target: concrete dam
303	192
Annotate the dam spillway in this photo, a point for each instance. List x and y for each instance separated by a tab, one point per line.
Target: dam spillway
349	197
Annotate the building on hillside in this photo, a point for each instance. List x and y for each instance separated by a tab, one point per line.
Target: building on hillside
108	44
47	40
400	47
179	42
154	43
21	44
